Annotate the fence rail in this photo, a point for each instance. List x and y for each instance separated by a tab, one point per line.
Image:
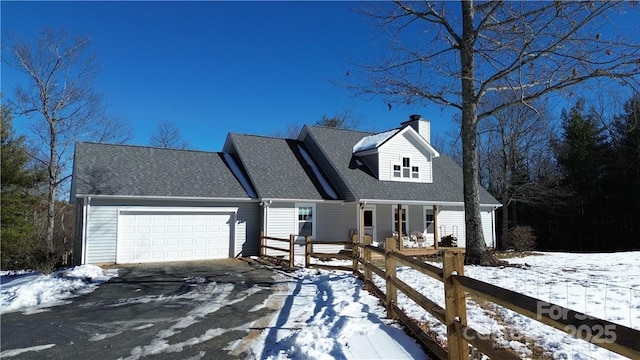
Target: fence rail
289	251
619	339
456	285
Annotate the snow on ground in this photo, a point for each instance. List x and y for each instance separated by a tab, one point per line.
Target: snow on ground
328	315
33	292
323	314
605	285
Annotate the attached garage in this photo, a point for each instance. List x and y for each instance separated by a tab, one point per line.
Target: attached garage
153	235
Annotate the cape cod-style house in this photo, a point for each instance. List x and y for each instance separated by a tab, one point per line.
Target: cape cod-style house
143	204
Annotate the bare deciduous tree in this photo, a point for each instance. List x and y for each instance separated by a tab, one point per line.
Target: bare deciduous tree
290	131
513	163
168	135
61	105
342	120
455	54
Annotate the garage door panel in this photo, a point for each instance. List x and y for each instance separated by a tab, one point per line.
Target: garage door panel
146	237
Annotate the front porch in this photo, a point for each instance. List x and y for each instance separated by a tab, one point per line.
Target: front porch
414	226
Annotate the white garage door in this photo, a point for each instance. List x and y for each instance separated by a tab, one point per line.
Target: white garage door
145	236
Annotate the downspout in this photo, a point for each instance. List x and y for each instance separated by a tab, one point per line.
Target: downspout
265	216
85	230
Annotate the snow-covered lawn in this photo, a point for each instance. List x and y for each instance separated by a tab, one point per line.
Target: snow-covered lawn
604	285
33	292
327	315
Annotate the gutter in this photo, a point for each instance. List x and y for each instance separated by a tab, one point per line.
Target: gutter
142	197
418	202
269	200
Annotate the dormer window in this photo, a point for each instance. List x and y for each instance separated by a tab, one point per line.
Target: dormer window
396	171
405	170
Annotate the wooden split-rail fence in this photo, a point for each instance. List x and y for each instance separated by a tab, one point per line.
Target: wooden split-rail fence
614	337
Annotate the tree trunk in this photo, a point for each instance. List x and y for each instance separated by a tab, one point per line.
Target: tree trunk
51	216
505	220
476	249
53	185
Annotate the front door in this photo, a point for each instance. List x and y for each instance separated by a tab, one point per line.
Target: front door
370	221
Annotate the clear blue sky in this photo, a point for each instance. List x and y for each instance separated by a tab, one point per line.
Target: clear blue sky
219	67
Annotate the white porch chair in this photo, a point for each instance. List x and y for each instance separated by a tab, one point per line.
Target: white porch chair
420	238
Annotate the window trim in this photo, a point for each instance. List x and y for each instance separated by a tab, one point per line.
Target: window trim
314	218
398	169
394	208
424	218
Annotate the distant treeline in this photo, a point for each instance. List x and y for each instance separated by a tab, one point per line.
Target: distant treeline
591	189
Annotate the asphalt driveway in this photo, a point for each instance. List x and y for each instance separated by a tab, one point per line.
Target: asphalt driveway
191	310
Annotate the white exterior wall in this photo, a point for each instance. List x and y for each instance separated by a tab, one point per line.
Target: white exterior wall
451	222
241	237
102	226
392	153
488	226
280	223
281	220
332	223
100	246
449	217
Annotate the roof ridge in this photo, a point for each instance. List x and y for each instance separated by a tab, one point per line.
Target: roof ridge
341	129
147	147
262	136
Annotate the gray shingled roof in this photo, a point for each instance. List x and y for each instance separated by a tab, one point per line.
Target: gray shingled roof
276	168
104	169
447	183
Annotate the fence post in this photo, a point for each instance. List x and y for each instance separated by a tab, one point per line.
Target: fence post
262	243
455	305
292	238
354	253
367	260
390	271
307	251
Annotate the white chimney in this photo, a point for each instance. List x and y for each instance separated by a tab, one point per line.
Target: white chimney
420	125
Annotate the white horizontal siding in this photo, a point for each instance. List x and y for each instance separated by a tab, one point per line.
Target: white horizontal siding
449	217
102	234
327	248
334	221
401	146
241	237
384	222
488	227
281	223
451	222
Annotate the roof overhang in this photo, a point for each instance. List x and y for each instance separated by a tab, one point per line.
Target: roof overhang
385	139
304	200
419	202
183	198
413	133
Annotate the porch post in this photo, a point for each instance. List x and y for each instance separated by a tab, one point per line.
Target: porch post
436	228
400	244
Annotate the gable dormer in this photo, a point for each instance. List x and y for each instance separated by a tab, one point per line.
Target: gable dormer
402	154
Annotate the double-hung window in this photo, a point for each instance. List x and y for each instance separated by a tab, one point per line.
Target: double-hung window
305	219
406	170
402	218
